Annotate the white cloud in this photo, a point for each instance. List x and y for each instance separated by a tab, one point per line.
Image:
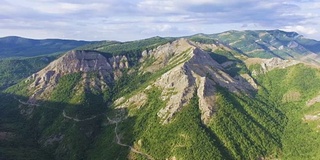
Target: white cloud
161	6
301	29
7	8
153	28
62	8
67	8
125	20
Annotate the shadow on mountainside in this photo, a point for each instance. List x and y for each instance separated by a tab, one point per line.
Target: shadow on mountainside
50	132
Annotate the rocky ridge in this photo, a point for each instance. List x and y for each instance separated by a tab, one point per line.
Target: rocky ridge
192	71
44	81
267	65
188	70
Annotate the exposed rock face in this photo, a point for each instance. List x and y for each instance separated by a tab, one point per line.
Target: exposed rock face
313	101
73	62
119	62
199	73
170	53
311	117
270	64
54	138
191	70
137	100
292	44
273	63
247	81
178	88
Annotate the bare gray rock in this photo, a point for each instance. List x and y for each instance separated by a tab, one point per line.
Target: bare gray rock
45	80
313	101
123	63
193	71
269	64
52	139
247	81
189	70
273	63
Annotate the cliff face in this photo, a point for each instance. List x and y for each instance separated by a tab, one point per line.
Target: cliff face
108	70
267	65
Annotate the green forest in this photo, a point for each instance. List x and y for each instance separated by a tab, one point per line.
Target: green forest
79	119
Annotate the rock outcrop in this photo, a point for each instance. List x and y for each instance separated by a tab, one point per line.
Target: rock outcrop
272	63
313	101
76	61
269	64
247	81
200	74
137	101
190	70
187	69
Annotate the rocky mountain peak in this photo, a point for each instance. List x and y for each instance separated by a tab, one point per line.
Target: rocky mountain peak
190	70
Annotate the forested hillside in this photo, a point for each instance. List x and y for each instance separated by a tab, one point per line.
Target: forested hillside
233	95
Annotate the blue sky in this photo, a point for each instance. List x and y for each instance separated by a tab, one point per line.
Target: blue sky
136	19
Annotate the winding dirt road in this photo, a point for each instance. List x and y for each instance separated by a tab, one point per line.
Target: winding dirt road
26	103
125	145
92	117
76	119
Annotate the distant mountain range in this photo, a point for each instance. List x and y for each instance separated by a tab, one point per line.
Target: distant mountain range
231	95
23	47
273	43
260	43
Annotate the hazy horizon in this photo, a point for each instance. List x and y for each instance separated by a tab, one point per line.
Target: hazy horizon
140	38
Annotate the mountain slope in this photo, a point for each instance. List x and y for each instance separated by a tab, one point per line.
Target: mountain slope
176	92
295	89
187	98
268	44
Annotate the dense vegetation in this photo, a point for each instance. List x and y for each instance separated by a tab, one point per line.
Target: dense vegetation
78	122
23	142
132	49
292	88
242	129
14	70
185	138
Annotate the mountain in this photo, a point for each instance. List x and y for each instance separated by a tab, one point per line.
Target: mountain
23	47
268	44
13	69
195	97
20	57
